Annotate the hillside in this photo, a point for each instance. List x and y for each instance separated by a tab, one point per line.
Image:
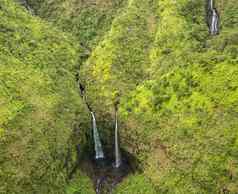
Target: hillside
177	88
178	92
39	98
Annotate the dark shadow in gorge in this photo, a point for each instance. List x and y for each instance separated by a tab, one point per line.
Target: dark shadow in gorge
102	172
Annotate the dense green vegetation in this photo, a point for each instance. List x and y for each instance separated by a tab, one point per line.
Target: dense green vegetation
87	20
180	110
38	100
80	185
177	85
136	184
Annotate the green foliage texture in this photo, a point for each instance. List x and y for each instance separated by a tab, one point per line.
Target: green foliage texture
177	86
38	100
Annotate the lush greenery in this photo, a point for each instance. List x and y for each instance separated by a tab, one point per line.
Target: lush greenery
178	89
87	20
38	101
177	85
80	185
136	184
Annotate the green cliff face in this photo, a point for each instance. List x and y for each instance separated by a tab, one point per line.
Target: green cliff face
87	20
177	86
38	100
178	92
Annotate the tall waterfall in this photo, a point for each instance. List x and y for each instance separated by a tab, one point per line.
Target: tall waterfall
211	5
97	142
213	18
117	147
214	23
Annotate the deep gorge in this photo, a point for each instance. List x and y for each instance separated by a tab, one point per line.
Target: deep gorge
158	77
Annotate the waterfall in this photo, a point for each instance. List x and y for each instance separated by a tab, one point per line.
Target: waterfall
211	4
214	23
97	142
213	18
117	147
99	154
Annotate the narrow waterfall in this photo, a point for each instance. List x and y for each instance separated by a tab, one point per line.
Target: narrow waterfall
213	18
97	142
214	23
117	147
99	154
211	5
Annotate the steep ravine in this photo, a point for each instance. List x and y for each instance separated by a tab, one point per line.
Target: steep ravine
98	159
38	98
176	84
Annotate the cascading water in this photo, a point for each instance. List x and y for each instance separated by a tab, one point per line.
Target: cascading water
105	176
117	147
99	154
97	142
213	18
214	23
211	5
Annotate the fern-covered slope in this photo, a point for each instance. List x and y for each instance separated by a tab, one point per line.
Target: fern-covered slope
178	92
38	100
177	86
87	20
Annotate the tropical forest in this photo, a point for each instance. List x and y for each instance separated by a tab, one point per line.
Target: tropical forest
118	97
